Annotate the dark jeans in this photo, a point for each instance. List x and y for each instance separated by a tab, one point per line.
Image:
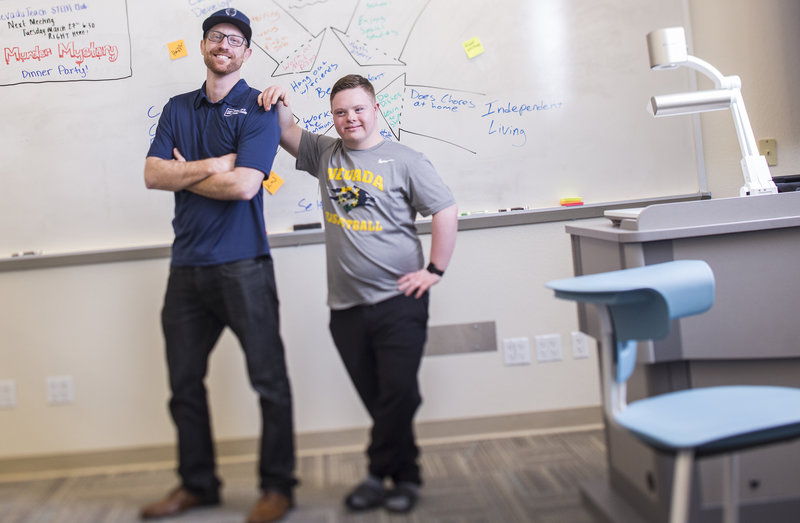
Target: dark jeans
200	302
381	347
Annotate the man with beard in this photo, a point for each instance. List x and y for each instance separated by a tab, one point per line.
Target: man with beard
213	148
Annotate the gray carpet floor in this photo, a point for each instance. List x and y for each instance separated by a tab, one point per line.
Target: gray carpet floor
527	478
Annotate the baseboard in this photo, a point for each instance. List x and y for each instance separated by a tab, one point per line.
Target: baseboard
428	432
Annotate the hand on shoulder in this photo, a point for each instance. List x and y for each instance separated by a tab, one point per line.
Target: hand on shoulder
272	95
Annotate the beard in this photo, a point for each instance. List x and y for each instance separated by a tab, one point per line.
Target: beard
230	66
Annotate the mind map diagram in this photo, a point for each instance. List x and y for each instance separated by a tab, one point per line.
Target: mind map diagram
314	42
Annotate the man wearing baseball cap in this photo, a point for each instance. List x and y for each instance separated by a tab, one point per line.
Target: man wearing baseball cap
213	148
229	16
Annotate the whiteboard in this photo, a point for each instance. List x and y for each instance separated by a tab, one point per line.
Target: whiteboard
516	106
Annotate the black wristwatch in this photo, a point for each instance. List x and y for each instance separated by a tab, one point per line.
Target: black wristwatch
433	269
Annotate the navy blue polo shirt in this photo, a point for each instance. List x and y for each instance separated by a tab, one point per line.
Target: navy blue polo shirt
208	231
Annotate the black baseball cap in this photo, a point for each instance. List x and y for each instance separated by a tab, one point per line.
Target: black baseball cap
229	16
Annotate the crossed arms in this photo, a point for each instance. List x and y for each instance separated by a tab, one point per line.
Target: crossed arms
216	178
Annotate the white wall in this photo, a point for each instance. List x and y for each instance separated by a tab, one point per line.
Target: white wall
99	323
759	41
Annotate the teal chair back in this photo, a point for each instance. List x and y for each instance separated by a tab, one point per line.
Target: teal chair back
643	301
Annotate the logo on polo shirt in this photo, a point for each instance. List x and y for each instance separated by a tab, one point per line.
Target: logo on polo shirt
231	111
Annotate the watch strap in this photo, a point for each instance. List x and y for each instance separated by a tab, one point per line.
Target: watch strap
433	269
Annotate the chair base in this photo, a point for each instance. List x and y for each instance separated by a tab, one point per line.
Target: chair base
608	505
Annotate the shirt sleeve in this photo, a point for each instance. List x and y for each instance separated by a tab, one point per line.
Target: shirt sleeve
307	155
310	152
259	139
428	192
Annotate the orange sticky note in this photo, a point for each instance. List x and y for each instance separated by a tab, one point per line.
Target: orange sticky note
177	49
473	47
273	183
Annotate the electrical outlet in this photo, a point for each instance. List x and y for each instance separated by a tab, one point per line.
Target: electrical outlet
8	394
60	390
580	345
517	351
548	348
768	148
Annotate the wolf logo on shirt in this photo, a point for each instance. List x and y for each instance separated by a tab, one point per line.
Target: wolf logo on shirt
351	197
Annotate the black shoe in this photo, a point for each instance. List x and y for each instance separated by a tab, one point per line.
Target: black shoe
367	495
402	498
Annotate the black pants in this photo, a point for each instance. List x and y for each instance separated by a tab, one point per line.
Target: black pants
381	347
200	302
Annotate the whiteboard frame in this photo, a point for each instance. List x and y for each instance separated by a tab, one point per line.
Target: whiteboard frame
317	236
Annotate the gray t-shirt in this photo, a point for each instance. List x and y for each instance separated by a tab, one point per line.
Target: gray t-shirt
370	199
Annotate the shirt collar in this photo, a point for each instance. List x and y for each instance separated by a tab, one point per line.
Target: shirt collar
237	96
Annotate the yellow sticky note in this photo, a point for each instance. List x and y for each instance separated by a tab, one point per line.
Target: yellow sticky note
177	49
473	47
273	183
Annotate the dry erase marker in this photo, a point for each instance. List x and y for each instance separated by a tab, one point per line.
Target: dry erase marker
569	202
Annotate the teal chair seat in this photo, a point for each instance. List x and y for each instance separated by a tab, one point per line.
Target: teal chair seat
715	420
640	304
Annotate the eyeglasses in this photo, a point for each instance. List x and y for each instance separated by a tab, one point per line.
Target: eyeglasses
234	40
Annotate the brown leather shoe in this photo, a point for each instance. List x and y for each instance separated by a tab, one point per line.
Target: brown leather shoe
179	500
272	506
